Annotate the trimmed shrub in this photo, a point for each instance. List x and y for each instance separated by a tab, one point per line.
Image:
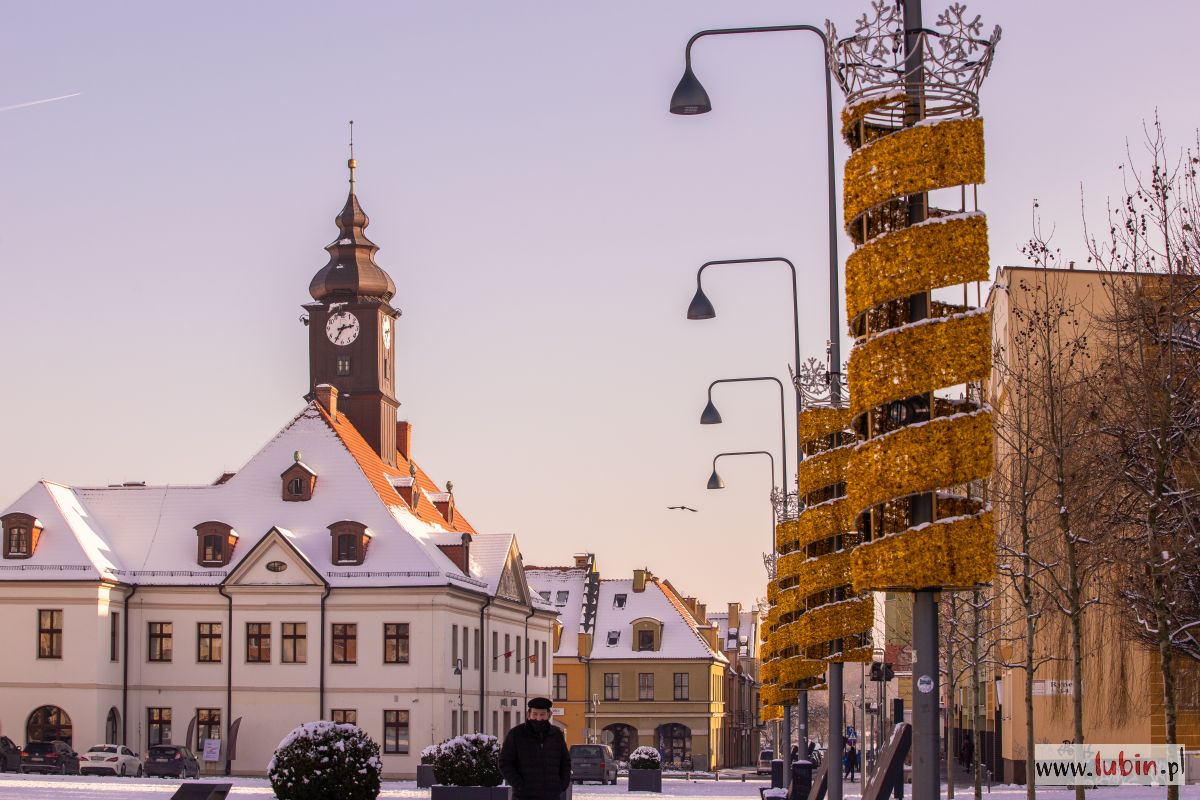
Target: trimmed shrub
472	759
319	760
645	758
429	754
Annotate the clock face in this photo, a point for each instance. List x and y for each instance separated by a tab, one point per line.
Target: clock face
342	328
387	332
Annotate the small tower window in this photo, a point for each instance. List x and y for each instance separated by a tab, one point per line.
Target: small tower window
215	542
619	600
349	542
299	481
21	533
343	364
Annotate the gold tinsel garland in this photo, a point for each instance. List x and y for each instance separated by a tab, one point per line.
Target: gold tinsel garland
787	536
915	260
825	469
823	521
912	161
946	451
957	552
770	713
799	669
786	566
834	621
774	695
792	600
769	671
827	572
817	422
920	358
854	656
851	114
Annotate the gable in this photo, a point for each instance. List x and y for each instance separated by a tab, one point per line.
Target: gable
274	561
513	585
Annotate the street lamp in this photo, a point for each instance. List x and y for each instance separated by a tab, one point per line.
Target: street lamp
710	416
462	717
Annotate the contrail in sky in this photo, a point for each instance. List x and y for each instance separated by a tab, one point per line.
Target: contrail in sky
39	102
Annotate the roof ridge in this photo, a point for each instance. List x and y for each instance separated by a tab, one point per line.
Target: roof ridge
683	612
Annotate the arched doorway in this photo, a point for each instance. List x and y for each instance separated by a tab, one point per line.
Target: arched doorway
622	738
675	744
112	727
48	724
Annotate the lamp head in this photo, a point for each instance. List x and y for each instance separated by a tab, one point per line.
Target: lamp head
710	415
715	482
689	97
700	307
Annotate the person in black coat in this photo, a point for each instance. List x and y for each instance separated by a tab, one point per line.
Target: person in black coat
534	759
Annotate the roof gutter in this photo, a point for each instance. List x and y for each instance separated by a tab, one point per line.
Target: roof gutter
483	663
532	611
125	667
228	654
321	670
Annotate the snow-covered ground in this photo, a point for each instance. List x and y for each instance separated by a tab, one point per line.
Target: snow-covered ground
37	787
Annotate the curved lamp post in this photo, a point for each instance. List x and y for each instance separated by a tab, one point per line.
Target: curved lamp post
715	482
710	416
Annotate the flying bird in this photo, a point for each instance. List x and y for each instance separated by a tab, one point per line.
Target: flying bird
680	508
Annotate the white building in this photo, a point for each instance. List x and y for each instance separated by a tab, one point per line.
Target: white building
329	578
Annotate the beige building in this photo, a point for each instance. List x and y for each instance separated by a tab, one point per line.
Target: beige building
638	664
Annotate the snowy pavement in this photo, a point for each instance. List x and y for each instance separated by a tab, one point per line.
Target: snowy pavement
38	787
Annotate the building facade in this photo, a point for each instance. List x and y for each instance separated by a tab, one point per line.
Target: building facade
329	578
636	663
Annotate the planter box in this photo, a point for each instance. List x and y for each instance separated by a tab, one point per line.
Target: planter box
425	777
439	792
645	780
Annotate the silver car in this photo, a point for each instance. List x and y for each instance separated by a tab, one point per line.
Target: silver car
593	762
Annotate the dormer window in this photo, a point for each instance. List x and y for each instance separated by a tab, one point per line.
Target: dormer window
299	481
613	638
444	503
647	635
21	534
545	595
349	541
619	600
214	544
560	599
406	487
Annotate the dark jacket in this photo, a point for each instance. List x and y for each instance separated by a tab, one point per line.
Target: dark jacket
537	765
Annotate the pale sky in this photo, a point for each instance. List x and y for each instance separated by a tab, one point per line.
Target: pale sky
542	216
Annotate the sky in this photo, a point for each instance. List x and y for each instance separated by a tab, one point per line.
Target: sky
541	213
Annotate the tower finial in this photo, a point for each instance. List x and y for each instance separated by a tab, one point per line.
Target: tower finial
351	163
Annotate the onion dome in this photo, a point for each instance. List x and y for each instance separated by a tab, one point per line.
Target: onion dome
352	272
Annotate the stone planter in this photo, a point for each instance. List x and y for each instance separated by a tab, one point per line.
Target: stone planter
439	792
425	777
645	780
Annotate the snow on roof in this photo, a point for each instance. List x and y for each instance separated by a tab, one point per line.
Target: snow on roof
146	534
557	580
680	637
745	630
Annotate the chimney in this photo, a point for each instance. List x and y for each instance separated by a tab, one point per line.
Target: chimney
702	614
690	602
327	397
639	580
581	560
710	632
735	615
466	554
404	438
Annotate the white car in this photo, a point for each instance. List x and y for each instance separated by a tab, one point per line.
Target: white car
110	759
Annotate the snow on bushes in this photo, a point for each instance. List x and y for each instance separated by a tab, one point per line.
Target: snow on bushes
320	760
472	759
429	753
645	758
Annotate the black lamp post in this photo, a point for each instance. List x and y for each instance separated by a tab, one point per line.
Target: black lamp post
458	670
710	416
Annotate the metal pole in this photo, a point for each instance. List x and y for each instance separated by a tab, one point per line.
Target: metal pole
786	750
833	751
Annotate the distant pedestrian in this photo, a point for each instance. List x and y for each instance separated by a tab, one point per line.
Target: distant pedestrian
795	754
812	751
534	759
967	755
851	761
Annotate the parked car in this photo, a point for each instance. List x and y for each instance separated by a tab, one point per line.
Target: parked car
10	755
49	757
593	762
110	759
171	760
765	757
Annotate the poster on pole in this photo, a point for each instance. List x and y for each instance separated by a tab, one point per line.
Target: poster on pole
212	749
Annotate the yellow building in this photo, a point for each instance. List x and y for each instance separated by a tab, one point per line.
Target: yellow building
636	663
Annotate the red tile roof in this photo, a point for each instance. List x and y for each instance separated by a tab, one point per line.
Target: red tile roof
379	473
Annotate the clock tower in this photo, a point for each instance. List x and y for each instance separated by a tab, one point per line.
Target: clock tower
351	330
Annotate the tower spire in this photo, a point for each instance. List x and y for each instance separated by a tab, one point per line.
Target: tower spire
351	163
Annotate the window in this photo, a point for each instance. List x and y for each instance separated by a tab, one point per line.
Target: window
208	641
214	542
344	716
345	643
50	625
560	686
293	641
518	655
645	640
158	726
496	723
208	726
545	663
159	641
395	642
681	686
343	364
21	532
507	653
453	645
478	644
495	652
298	482
350	541
395	732
114	636
296	487
645	686
545	595
613	638
560	599
612	686
619	600
258	642
466	651
507	722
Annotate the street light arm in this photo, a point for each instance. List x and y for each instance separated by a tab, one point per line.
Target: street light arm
782	421
687	52
766	453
